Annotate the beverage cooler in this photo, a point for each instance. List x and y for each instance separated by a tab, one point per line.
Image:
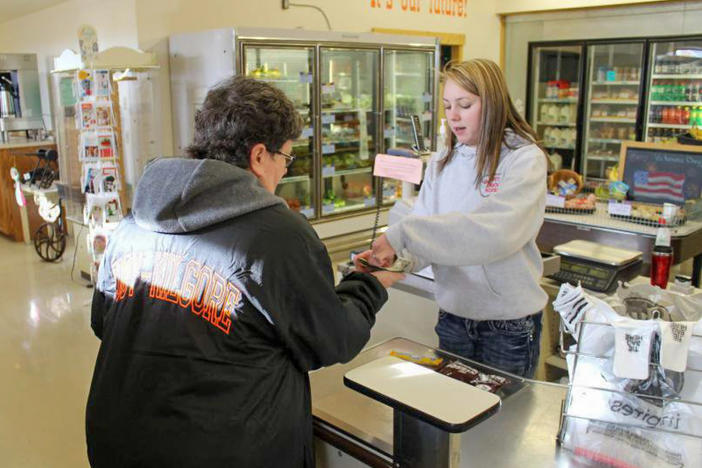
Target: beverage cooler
554	97
355	92
586	97
675	89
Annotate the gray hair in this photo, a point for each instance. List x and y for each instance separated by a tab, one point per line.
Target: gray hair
239	113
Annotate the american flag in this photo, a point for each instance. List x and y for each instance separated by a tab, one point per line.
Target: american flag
666	186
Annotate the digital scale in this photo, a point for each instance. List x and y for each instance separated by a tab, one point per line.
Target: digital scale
595	266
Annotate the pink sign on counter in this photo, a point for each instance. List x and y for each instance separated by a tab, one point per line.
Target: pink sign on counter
398	167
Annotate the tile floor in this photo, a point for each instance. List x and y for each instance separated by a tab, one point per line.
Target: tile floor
47	353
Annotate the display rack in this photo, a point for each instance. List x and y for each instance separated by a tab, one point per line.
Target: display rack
627	422
93	140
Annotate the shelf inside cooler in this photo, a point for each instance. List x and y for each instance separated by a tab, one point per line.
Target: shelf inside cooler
665	76
615	83
612	120
556	124
665	125
615	101
676	103
569	100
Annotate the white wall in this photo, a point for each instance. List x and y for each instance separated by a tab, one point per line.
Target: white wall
48	32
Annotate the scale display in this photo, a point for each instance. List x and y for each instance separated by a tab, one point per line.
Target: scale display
595	276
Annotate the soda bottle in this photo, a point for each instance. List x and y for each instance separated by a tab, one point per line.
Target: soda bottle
665	114
686	116
693	117
661	258
677	115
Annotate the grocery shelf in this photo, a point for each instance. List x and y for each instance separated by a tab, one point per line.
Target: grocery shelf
615	101
569	100
676	103
604	140
360	170
293	179
560	147
340	110
615	83
556	124
684	76
665	125
612	119
601	157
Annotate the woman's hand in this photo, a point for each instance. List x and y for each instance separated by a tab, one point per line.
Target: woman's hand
382	254
366	255
388	278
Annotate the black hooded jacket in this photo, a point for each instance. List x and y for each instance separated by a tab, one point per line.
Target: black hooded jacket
213	302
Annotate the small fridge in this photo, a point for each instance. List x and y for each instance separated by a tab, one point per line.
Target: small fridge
614	82
355	92
554	96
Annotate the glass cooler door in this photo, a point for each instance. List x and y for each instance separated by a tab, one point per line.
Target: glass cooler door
409	90
674	103
291	70
553	98
349	104
612	102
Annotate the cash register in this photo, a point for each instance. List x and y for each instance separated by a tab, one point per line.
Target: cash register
596	267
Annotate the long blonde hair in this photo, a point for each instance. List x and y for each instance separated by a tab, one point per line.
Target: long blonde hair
484	78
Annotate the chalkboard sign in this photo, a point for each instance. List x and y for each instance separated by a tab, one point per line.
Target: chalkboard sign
659	173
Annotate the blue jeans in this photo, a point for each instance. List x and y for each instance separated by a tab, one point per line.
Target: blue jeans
509	345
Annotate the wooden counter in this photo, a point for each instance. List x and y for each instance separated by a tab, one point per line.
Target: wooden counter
14	154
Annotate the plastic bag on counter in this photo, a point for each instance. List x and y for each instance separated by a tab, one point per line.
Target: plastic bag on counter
635	396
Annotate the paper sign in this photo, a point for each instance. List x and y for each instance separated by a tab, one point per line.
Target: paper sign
328	171
397	167
306	132
426	97
326	209
308	212
621	209
555	200
389	132
368	202
328	88
328	148
327	118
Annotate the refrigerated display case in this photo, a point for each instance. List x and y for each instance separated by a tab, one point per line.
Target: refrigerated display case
554	95
611	104
355	92
291	70
674	103
408	91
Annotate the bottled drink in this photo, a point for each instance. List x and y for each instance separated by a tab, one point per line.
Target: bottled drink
661	259
677	115
693	117
665	117
686	115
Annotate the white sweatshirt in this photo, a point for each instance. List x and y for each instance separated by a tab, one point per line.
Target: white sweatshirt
481	242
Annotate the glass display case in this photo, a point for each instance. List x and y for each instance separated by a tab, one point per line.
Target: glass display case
349	84
292	71
674	103
611	104
408	91
554	95
355	92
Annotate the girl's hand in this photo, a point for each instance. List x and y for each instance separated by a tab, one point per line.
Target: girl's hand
382	254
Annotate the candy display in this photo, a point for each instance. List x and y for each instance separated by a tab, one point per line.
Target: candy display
465	373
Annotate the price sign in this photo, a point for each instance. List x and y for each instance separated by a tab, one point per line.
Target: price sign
327	118
328	148
328	171
621	209
555	200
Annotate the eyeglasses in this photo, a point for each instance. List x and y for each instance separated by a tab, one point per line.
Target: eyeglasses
289	158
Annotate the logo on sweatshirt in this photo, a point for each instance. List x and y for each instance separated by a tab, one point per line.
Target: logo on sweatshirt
489	187
633	342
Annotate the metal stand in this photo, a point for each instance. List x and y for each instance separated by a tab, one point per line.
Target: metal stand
420	444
